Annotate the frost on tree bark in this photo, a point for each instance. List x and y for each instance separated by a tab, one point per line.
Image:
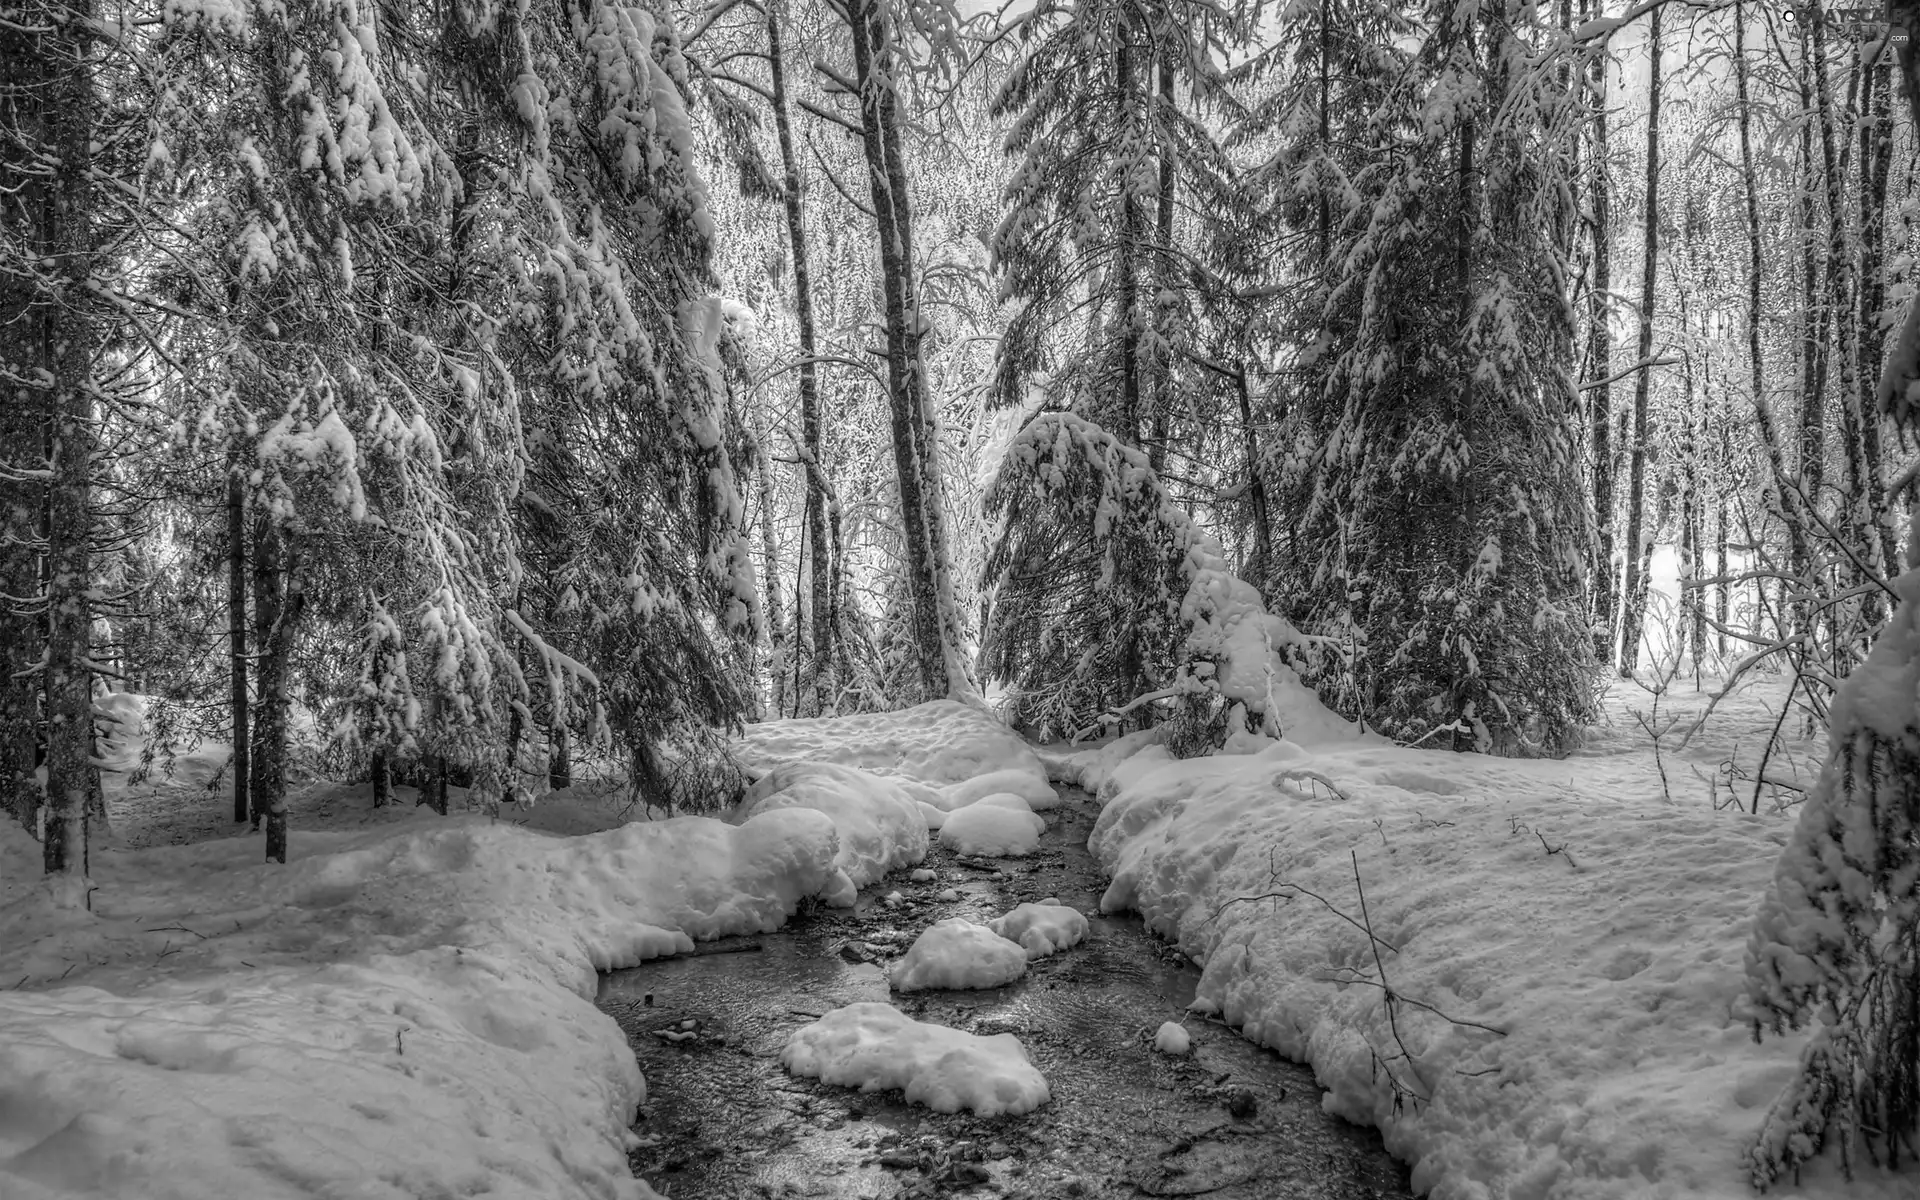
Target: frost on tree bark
1634	598
936	625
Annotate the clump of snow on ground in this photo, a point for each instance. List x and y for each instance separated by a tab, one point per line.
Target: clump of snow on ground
402	1011
875	1047
939	758
1041	929
880	826
999	826
1172	1038
1582	931
1086	767
935	744
957	953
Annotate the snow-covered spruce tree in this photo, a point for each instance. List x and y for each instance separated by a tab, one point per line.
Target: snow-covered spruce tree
631	521
1300	132
1837	937
1104	151
1088	252
72	137
1428	465
1099	583
466	249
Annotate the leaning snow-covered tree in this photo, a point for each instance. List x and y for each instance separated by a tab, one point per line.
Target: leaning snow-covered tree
1106	598
1837	938
1427	466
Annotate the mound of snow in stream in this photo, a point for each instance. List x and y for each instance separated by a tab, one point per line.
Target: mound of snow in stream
875	1047
957	953
881	828
1041	929
994	826
1172	1038
1583	936
400	1012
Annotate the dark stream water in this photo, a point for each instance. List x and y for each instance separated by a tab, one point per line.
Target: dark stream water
723	1120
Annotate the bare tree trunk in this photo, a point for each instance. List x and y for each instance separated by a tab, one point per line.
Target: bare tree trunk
1262	559
1786	501
1600	364
380	774
71	344
1876	160
26	69
278	599
267	591
777	648
560	758
1692	603
1634	610
916	461
825	687
290	599
1814	315
1721	588
1854	523
1165	270
1127	251
434	794
237	631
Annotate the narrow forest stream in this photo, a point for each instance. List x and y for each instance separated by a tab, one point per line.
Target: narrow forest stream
724	1121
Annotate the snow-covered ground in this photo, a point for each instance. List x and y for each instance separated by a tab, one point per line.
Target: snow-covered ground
1564	940
403	1009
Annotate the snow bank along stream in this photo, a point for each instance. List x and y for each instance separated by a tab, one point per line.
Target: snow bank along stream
406	1011
724	1118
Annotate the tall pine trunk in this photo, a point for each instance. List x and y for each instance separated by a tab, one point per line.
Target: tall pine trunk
1813	337
27	69
777	647
1131	236
1876	160
265	562
1854	522
279	599
1786	501
1634	609
1600	364
935	613
71	341
237	631
825	685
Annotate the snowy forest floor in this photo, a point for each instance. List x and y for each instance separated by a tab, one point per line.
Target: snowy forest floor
1612	969
724	1121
